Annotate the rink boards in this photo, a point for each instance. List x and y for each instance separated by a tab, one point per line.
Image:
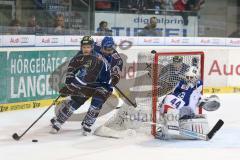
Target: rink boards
25	70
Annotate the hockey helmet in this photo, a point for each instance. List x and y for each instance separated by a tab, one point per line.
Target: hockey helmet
87	40
192	74
108	42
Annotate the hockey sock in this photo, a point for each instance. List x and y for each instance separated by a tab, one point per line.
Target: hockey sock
66	110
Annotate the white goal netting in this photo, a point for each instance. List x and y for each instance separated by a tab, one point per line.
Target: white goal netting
157	74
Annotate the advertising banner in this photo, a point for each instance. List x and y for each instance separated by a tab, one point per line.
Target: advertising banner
49	40
25	74
18	40
209	41
1	40
134	23
179	41
72	40
233	42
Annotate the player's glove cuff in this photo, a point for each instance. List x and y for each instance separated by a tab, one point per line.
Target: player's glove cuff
115	79
69	78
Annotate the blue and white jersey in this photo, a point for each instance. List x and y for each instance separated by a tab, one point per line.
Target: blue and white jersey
114	60
188	93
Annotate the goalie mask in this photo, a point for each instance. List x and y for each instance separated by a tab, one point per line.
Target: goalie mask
191	76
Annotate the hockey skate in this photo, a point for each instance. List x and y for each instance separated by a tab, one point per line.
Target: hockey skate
86	129
56	126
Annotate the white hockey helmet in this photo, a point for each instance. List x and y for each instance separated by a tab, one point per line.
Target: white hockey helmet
192	74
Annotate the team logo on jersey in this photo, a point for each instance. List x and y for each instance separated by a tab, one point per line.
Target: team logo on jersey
184	86
88	64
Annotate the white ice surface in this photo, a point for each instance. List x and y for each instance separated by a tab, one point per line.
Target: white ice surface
71	145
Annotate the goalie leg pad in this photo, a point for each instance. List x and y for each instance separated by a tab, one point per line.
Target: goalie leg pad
169	124
199	124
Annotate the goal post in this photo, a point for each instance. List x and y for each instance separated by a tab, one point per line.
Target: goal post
162	60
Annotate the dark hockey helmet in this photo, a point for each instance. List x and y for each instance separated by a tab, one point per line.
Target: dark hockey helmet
87	40
177	59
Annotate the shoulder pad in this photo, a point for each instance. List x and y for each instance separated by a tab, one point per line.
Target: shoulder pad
199	82
115	55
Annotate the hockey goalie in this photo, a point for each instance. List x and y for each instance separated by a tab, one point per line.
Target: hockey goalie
179	109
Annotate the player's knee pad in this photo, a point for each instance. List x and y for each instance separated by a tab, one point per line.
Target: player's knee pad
77	101
198	124
91	115
211	103
102	93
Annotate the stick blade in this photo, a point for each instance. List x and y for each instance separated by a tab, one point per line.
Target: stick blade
214	130
15	136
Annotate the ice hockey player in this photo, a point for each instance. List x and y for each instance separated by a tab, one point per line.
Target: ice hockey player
173	72
75	80
179	109
108	51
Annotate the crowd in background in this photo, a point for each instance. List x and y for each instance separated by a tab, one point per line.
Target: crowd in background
57	25
149	6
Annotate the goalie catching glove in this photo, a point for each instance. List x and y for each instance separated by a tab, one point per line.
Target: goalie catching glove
211	103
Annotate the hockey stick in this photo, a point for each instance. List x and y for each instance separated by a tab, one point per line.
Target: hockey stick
16	137
200	136
134	104
193	134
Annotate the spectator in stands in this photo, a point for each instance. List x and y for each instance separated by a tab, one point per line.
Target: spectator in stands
167	4
180	5
151	29
194	5
103	29
159	5
59	25
14	27
105	5
32	26
136	5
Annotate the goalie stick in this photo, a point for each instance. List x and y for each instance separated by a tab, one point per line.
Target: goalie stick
200	136
193	134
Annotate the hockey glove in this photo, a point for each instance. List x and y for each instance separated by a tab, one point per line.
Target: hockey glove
115	79
69	78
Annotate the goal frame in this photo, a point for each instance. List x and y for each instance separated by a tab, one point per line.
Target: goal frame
155	80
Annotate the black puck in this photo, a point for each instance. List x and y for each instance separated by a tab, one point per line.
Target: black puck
34	140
